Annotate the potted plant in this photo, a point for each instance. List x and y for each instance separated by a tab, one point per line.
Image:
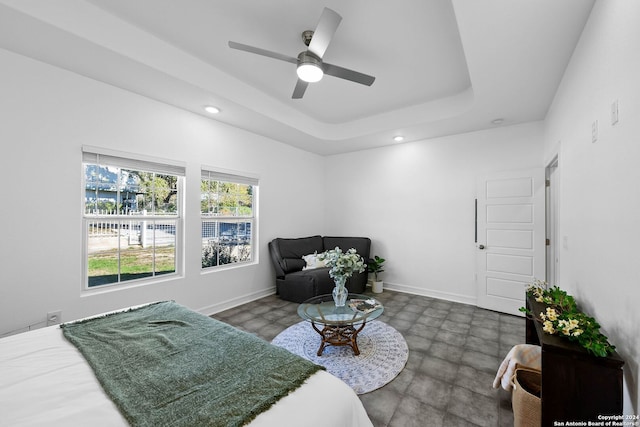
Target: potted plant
375	266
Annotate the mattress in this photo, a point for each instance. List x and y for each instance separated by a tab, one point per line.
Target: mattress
44	380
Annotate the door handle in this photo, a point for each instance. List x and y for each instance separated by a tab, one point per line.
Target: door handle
480	246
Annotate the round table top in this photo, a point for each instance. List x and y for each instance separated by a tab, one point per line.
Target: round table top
358	309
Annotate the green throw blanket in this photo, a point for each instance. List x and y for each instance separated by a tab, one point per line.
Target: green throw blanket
165	365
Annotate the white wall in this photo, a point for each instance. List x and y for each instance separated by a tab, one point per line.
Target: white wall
599	212
416	202
47	114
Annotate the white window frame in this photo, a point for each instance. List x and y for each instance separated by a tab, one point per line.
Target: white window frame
227	176
113	158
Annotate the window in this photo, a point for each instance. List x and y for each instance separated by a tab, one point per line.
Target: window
132	217
227	208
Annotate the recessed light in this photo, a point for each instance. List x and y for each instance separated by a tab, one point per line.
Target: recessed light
497	121
211	109
398	138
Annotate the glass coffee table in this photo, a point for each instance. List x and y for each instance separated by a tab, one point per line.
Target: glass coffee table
340	325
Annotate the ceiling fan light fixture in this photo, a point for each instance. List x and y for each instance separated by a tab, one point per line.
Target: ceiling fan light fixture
309	69
309	73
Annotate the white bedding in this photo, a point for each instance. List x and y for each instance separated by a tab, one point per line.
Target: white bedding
44	380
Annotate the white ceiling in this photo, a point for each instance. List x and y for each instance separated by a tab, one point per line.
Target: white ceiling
442	66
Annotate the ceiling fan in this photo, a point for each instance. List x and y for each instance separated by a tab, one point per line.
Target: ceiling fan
310	67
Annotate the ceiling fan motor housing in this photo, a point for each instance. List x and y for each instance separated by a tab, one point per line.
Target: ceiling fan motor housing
307	57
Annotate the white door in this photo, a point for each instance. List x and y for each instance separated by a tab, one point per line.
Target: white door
510	243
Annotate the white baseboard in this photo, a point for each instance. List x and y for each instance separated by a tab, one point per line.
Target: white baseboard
243	299
448	296
234	302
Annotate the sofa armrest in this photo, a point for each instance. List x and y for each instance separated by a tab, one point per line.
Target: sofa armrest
287	254
276	259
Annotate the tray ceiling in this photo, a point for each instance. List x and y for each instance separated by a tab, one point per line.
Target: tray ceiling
442	67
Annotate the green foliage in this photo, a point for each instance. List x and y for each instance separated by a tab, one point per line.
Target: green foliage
342	264
159	192
563	318
215	254
375	266
225	198
106	205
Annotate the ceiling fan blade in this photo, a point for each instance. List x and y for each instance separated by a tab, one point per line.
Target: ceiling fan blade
326	28
347	74
301	87
263	52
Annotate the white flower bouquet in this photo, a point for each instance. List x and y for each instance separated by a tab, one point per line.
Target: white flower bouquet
342	264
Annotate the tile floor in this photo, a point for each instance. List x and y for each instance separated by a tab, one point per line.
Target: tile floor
454	353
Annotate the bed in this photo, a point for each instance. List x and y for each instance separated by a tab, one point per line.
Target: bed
46	380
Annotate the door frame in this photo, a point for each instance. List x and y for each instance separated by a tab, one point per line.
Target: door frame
552	188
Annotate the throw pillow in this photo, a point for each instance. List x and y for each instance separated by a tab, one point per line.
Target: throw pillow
312	261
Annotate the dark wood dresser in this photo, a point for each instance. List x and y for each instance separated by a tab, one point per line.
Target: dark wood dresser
576	386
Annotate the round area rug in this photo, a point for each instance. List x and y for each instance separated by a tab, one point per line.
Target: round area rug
383	354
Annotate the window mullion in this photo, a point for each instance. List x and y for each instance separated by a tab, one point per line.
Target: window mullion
119	252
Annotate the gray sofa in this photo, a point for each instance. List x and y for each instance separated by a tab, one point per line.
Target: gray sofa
295	284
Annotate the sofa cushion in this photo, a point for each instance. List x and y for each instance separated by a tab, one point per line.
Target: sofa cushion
302	285
318	276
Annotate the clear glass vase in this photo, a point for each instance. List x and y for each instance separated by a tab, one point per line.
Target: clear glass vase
340	292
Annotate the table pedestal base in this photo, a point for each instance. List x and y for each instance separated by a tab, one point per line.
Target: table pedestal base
338	335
